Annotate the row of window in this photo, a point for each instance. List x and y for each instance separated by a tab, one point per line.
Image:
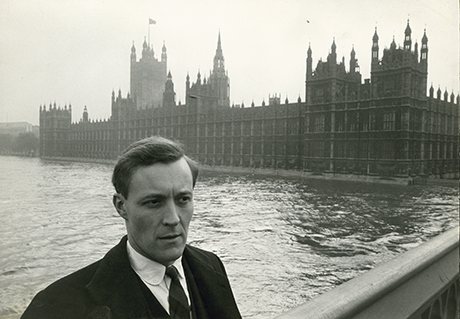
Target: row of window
388	121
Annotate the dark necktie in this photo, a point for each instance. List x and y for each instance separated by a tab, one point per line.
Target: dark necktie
178	303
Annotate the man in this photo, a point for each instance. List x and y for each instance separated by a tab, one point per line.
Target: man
151	273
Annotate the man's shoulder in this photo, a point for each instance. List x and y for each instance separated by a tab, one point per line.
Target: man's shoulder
68	296
64	297
78	279
200	253
203	258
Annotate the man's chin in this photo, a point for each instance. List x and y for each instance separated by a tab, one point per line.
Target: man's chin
170	254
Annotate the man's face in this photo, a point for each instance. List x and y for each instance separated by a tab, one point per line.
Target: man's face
158	210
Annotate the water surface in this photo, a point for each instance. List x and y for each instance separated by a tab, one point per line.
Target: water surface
282	240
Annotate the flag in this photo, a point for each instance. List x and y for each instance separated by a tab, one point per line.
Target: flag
151	21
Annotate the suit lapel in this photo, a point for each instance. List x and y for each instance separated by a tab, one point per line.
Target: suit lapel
208	285
115	286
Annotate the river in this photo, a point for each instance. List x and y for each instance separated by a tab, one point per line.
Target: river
282	240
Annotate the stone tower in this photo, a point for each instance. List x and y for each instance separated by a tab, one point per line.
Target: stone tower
213	91
400	72
148	77
219	79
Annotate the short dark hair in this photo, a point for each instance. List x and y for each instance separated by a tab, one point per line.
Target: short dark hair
146	152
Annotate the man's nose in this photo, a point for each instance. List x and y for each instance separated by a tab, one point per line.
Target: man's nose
171	214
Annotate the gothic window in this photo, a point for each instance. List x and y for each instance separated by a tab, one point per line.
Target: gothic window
352	121
268	127
293	127
339	122
388	150
236	146
246	148
317	149
292	148
319	123
279	126
257	127
389	121
247	128
228	129
210	129
372	122
257	148
219	129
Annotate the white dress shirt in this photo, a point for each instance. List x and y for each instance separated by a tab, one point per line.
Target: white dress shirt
153	275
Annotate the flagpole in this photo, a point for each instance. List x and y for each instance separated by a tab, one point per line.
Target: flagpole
151	21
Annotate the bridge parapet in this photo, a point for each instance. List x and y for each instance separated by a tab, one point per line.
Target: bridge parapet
422	283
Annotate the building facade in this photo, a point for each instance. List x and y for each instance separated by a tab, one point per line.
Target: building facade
385	126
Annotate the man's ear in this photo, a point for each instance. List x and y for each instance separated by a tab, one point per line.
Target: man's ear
118	201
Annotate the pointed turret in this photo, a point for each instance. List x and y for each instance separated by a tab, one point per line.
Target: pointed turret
309	63
407	38
375	50
85	114
145	48
169	96
352	60
424	52
219	57
333	46
393	44
133	53
164	57
187	82
333	52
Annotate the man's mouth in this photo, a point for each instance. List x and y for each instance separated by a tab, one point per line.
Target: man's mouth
170	236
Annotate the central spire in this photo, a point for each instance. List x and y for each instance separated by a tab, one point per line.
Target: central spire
219	57
219	47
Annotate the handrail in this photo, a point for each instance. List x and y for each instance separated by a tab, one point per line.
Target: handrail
404	287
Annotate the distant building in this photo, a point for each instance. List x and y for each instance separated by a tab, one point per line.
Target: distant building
16	128
386	126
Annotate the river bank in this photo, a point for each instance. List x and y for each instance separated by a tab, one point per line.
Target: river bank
450	182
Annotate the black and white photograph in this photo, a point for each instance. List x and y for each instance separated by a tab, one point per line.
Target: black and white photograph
229	159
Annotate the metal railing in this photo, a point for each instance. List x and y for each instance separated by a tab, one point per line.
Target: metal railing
422	283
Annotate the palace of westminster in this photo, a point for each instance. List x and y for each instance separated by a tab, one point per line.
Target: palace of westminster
386	126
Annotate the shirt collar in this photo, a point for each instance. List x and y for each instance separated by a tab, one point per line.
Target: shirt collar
149	270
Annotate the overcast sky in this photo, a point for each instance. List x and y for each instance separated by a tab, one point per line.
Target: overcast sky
77	51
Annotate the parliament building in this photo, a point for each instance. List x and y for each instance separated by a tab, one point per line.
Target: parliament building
386	126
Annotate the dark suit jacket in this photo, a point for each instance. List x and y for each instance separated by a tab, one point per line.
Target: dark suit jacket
110	289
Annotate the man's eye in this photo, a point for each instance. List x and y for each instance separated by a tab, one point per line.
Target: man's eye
152	202
185	199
